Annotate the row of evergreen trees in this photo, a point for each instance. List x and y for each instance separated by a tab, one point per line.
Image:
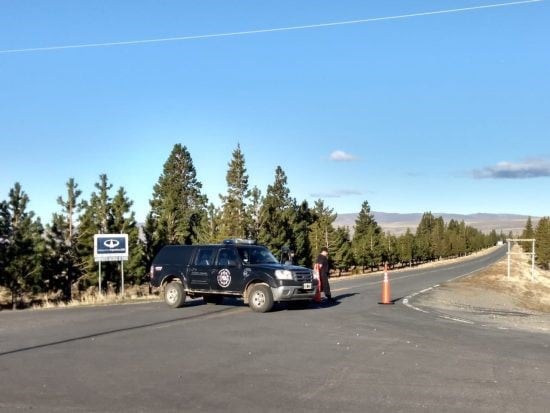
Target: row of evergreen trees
59	256
541	235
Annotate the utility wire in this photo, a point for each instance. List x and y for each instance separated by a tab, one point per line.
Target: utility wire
278	29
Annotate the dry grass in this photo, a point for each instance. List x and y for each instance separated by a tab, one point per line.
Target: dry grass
92	297
490	297
532	294
87	298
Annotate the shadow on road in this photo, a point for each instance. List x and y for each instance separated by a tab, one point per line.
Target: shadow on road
395	300
229	304
119	330
336	300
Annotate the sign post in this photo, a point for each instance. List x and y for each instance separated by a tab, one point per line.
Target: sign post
111	247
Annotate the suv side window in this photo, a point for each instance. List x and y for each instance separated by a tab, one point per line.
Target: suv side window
227	257
204	256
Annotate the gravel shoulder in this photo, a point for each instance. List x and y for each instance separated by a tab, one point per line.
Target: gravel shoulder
490	297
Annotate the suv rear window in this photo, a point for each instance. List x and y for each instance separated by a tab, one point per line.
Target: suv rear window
171	254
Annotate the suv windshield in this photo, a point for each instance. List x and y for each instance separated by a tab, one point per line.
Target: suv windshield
256	255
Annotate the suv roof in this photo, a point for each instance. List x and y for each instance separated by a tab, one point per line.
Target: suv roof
240	241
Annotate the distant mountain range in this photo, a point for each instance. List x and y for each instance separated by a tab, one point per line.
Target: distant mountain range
397	224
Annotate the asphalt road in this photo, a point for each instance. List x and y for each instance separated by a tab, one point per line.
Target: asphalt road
352	356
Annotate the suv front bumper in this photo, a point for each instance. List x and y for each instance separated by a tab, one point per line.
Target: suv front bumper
291	292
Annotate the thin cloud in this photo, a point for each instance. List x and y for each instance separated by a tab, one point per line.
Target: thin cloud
269	30
337	193
341	156
530	168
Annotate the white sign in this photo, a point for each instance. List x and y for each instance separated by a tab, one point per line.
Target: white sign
110	247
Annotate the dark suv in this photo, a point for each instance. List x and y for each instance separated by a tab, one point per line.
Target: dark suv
237	268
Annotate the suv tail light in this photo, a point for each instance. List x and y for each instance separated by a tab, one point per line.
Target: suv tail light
153	270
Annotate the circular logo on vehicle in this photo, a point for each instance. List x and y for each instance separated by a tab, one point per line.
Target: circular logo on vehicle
224	278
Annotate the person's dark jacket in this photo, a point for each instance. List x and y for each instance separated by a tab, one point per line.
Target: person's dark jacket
323	261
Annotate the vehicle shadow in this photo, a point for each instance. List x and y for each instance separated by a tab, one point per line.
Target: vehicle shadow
311	305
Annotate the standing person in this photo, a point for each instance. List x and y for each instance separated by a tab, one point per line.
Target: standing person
322	261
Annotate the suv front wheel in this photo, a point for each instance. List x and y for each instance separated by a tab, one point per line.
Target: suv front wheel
260	298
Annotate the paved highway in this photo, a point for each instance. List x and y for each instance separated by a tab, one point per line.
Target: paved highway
353	356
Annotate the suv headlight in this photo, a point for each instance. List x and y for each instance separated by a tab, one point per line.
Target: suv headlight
283	274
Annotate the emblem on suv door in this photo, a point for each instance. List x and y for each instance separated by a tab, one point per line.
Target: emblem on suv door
224	278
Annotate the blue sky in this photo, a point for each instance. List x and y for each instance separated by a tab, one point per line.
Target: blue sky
443	112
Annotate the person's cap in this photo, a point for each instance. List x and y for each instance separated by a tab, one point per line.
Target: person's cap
324	249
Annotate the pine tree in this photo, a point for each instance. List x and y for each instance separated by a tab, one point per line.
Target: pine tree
100	204
365	221
437	238
390	253
322	232
493	238
62	242
424	240
124	222
367	248
234	219
456	238
405	247
528	233
542	235
151	241
5	230
211	229
104	214
23	246
70	208
475	239
300	230
253	211
275	225
96	218
342	258
178	207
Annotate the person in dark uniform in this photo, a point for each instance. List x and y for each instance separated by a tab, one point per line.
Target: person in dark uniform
322	261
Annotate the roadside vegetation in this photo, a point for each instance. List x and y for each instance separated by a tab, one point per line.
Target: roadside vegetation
53	262
526	289
519	299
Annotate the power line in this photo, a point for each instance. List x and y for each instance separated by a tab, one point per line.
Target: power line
259	31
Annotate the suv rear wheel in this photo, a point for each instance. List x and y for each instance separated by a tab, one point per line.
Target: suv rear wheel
260	298
174	295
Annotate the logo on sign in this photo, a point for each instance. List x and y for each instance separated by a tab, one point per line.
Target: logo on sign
111	243
224	278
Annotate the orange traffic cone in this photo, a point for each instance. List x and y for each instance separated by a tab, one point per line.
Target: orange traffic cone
316	275
386	289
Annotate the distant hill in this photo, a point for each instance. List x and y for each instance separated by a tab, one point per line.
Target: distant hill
397	224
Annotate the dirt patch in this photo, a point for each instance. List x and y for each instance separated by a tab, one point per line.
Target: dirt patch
518	301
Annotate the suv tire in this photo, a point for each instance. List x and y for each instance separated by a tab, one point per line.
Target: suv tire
260	298
174	294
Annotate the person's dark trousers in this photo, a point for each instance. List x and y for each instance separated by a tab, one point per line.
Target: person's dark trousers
326	285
